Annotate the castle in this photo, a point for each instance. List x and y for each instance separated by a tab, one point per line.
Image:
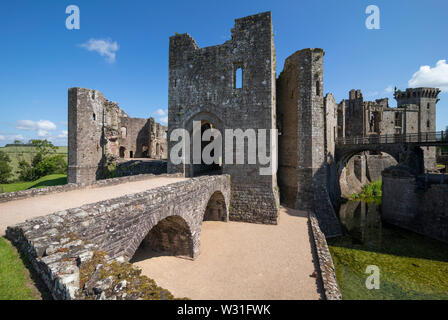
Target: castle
415	113
204	87
100	132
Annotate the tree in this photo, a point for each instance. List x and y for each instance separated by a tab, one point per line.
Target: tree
5	168
44	162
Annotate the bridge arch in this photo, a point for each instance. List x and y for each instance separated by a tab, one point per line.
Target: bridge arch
174	228
409	153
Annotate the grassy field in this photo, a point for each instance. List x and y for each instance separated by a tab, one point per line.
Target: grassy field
18	153
50	180
15	279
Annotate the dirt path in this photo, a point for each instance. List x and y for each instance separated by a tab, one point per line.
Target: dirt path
14	212
241	261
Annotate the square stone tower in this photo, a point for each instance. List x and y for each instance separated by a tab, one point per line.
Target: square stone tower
204	86
85	134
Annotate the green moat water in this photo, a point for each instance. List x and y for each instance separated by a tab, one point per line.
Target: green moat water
411	266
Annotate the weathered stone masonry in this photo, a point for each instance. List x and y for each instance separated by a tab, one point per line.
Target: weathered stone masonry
202	87
99	132
414	206
306	144
58	244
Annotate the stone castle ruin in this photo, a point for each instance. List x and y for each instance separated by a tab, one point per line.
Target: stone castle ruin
99	133
317	141
234	86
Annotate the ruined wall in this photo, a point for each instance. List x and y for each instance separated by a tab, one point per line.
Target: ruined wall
158	147
98	132
135	137
202	87
303	71
307	132
331	133
86	142
406	205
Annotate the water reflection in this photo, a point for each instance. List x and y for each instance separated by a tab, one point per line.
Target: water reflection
362	221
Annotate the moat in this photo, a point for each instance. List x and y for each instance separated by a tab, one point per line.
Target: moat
411	266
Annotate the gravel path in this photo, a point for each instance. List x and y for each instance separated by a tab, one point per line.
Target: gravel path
241	261
14	212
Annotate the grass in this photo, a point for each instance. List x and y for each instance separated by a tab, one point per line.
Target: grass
47	181
18	153
411	266
370	192
15	280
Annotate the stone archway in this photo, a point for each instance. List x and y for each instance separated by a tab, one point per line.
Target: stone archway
216	209
170	236
122	152
357	170
208	121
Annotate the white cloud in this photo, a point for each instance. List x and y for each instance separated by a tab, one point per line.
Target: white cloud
35	125
2	138
389	89
104	47
42	133
161	112
63	134
431	77
163	120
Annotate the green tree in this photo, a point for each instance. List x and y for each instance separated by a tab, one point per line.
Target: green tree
44	162
5	168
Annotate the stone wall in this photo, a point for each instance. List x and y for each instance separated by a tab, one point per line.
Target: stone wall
30	193
202	87
60	244
306	142
99	132
409	205
325	261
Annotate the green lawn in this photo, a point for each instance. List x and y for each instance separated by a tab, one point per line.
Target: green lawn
15	280
18	153
50	180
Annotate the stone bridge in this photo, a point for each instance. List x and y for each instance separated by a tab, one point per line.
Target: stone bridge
166	218
392	144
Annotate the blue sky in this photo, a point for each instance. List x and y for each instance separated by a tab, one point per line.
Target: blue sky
40	59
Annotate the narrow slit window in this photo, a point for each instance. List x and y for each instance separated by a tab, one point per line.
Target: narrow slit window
238	78
94	117
317	88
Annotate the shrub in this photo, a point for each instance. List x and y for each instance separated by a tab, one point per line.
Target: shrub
5	168
45	162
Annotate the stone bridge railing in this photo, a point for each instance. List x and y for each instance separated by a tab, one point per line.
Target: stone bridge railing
433	138
58	244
